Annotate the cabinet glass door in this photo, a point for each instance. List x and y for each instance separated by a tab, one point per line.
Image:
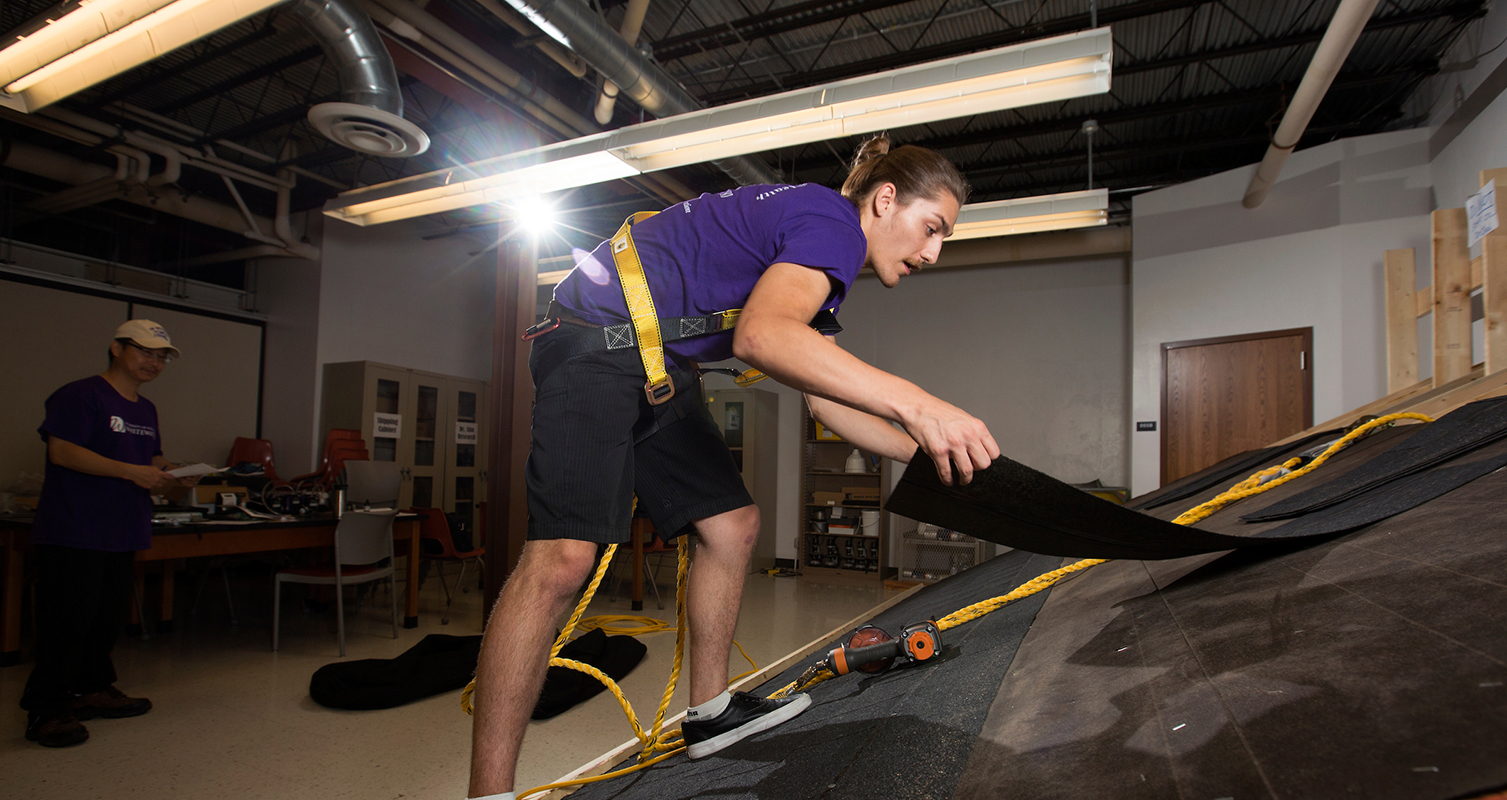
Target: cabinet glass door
389	404
428	460
465	461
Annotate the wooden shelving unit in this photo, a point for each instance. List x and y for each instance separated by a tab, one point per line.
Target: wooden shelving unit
829	552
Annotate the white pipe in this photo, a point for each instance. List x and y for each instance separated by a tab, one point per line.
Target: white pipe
1349	20
65	169
570	61
633	22
283	230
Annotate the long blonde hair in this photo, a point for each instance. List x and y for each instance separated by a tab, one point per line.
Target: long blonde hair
915	171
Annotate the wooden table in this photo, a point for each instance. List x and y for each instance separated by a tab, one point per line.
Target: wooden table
189	541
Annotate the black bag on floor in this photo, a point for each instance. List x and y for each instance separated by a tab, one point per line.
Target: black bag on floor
564	688
437	664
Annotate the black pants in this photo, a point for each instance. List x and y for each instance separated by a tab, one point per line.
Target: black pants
82	600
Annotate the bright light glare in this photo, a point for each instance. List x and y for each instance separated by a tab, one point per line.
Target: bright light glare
535	216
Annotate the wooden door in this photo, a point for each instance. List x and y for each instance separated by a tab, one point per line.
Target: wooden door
1224	396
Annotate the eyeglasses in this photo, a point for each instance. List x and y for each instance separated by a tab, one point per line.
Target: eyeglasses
160	355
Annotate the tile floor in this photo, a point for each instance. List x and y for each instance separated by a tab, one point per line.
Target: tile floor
233	719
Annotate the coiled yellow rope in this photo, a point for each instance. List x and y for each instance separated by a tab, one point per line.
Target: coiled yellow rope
667	745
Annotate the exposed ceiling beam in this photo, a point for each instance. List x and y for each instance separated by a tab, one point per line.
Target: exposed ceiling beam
142	81
918	55
235	81
1266	93
769	23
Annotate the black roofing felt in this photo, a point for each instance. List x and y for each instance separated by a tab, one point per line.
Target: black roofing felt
1372	664
901	734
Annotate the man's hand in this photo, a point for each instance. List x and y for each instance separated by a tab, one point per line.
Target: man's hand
951	436
147	477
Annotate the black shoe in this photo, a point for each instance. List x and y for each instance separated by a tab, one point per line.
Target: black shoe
58	730
744	716
110	703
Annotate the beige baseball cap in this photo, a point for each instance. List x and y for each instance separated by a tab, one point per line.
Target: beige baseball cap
148	334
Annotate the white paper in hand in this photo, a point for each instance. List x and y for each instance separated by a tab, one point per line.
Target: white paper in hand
195	469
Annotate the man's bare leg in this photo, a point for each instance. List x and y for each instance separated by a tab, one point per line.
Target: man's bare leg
714	592
510	672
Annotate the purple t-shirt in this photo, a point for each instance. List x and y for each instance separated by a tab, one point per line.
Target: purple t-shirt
93	512
705	255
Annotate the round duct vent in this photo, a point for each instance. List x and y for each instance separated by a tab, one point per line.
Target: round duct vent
368	130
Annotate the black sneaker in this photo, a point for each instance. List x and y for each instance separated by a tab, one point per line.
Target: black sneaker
744	716
58	730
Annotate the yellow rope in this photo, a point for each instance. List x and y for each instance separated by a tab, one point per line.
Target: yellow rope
669	744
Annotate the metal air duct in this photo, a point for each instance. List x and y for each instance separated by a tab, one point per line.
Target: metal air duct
368	118
578	27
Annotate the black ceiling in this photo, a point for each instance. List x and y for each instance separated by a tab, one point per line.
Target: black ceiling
1198	86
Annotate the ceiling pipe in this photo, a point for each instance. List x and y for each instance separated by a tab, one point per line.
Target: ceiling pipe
1344	29
570	61
580	28
55	166
368	117
633	22
471	58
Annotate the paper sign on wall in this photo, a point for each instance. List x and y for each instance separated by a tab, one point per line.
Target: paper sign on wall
465	433
1481	211
387	426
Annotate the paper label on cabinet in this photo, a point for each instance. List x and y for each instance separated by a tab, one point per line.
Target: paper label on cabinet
387	426
465	433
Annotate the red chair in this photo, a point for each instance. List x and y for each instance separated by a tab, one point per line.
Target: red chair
340	445
436	528
255	451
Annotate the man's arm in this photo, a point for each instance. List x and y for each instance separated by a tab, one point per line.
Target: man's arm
81	459
863	429
774	335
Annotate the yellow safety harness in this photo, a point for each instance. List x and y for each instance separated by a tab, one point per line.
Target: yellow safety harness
630	273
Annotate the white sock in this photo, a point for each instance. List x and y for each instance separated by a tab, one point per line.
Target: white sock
710	708
503	796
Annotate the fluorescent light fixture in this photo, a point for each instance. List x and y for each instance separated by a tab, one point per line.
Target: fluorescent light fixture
1049	70
99	39
1052	212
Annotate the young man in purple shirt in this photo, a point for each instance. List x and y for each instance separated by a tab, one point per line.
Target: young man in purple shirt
784	255
104	459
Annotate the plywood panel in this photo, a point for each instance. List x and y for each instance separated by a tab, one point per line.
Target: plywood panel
1452	358
209	396
53	337
1402	327
1494	291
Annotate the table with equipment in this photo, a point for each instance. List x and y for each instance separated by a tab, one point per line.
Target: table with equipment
190	541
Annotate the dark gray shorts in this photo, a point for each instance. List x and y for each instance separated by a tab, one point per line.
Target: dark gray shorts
597	442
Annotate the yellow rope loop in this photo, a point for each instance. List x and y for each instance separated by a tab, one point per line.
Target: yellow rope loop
591	590
1242	490
611	685
1026	589
683	568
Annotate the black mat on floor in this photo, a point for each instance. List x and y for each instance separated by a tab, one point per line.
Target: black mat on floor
898	735
565	688
1373	665
437	664
1465	429
1229	471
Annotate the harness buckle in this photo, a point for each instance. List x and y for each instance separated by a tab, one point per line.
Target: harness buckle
543	327
660	391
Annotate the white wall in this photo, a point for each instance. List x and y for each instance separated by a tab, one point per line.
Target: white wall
380	294
1037	350
1311	255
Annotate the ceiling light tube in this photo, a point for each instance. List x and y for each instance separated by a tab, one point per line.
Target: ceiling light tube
103	38
1032	214
1048	70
